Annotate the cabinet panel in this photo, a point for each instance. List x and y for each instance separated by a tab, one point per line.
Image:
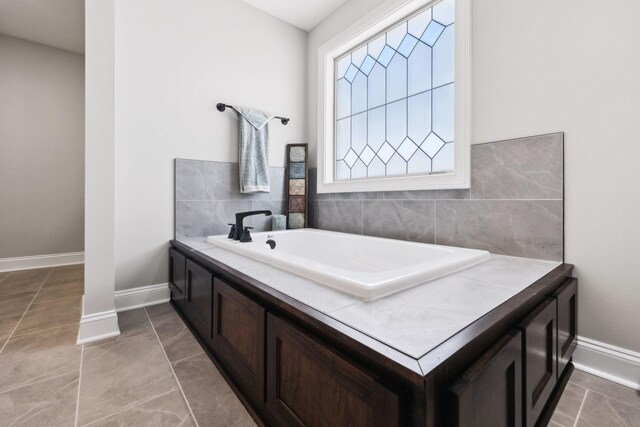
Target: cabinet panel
238	337
310	385
567	311
539	358
177	277
490	392
199	298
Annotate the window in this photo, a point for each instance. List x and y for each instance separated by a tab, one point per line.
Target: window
396	102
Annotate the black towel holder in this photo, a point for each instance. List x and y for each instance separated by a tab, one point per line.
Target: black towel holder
221	107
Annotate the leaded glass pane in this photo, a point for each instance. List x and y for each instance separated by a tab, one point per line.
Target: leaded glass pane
397	78
396	122
419	69
359	94
443	110
395	99
343	137
443	58
419	116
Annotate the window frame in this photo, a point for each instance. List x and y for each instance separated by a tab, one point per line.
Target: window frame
380	20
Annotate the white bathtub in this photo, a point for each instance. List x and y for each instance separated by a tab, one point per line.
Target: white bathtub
367	267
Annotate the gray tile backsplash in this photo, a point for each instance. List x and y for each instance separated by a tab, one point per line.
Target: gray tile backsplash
514	206
207	196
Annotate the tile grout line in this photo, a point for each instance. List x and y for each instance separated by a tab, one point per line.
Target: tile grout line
79	385
189	357
25	311
37	382
127	408
7	276
584	399
184	396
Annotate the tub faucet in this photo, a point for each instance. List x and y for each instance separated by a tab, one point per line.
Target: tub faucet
240	216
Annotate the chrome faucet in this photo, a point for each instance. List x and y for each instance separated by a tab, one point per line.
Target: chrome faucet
241	232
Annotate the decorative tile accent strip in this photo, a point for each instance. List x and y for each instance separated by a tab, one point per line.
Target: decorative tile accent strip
296	187
297	204
208	195
297	170
514	206
297	192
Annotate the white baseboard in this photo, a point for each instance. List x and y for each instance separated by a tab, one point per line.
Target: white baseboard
608	361
98	326
40	261
144	296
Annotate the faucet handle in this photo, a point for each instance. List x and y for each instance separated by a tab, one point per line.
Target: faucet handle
246	235
232	232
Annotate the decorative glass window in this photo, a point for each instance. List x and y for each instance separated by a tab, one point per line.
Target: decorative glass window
394	122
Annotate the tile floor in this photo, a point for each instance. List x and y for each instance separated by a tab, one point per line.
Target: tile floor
155	373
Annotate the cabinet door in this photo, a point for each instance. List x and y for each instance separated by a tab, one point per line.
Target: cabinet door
310	385
238	337
489	393
539	358
177	277
199	298
567	305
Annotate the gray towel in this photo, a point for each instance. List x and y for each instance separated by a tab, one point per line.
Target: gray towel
254	150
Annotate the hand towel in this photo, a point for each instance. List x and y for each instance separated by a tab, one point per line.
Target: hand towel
253	150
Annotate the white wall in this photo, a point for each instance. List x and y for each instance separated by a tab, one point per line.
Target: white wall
174	62
99	319
571	66
41	149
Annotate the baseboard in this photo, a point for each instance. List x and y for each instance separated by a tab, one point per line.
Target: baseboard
607	361
98	326
144	296
40	261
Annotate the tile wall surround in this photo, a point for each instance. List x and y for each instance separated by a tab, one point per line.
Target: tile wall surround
207	196
514	206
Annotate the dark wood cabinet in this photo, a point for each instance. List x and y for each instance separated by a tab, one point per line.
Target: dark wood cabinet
238	337
539	358
199	298
490	392
310	385
177	277
567	311
292	365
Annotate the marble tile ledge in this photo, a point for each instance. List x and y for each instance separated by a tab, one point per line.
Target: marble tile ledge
442	307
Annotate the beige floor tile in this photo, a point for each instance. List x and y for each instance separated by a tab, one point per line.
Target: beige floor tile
15	303
160	310
58	291
131	323
66	273
4	275
600	411
122	374
211	399
608	388
8	323
46	315
168	410
50	402
569	405
39	355
24	281
175	337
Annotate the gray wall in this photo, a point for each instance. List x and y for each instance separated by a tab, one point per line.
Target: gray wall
514	206
208	196
41	149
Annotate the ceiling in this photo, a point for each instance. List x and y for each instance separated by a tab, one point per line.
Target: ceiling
304	14
57	23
